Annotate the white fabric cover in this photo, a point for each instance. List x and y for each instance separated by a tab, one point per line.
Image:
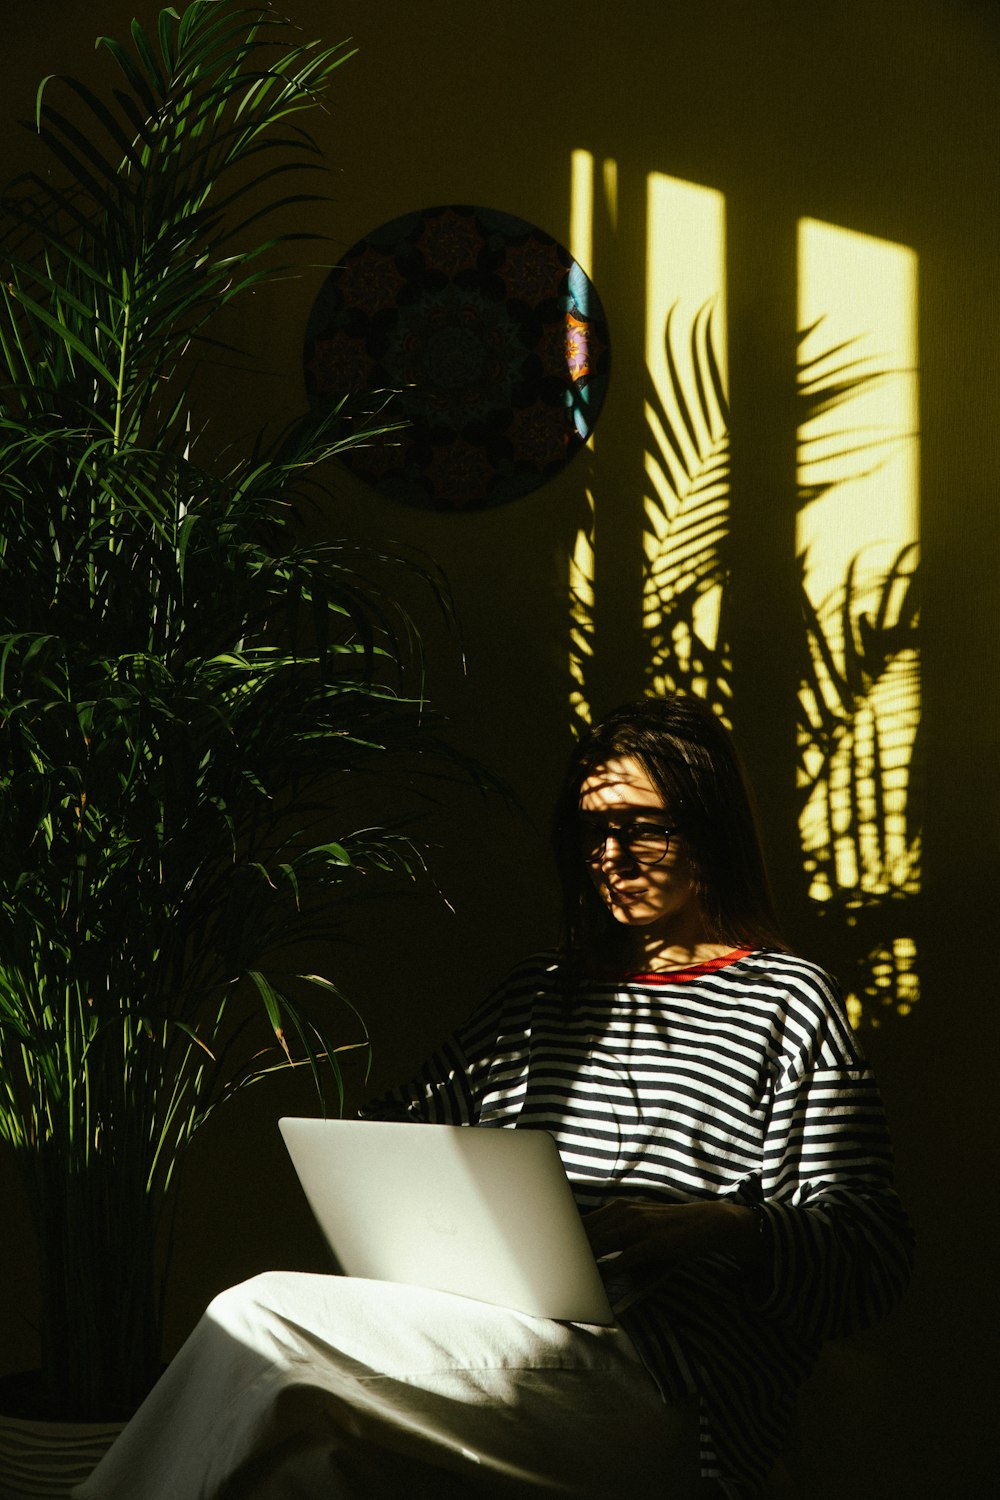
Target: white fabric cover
307	1387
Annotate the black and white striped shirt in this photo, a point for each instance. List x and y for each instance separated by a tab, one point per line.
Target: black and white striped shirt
740	1079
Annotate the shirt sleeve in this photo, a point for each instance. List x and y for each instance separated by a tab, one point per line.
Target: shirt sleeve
842	1245
449	1088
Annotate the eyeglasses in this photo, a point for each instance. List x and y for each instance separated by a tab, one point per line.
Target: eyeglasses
645	843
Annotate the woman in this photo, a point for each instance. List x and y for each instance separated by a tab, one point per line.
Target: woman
724	1140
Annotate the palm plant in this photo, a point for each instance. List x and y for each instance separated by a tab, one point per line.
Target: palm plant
187	686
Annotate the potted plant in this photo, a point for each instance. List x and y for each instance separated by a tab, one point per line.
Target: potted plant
188	687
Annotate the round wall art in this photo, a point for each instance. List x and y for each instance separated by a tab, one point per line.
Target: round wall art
479	332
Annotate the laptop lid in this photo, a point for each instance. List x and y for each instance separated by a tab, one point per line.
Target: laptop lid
485	1213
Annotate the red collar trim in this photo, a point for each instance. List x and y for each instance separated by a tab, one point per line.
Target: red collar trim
681	976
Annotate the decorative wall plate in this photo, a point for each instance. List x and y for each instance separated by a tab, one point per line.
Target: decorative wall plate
492	341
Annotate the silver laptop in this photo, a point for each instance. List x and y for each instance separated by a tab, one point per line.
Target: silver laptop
485	1213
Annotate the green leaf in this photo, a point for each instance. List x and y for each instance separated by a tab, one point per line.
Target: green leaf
194	702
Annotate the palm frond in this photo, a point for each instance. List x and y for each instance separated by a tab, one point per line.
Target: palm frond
194	700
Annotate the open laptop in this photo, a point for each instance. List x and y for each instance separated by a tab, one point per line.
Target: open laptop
485	1213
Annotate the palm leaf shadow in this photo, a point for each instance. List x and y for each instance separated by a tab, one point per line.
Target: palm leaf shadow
859	685
860	696
687	511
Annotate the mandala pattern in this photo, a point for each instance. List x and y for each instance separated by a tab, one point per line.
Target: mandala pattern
481	334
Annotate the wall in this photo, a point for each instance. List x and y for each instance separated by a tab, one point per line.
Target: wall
881	118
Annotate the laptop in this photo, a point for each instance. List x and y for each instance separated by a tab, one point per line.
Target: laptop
484	1213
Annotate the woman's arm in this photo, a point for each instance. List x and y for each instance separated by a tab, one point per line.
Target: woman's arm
648	1236
842	1245
828	1248
441	1094
449	1088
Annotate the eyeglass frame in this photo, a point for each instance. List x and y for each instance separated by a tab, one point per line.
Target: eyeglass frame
597	853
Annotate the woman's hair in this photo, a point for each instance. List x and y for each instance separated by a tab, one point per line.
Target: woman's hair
689	755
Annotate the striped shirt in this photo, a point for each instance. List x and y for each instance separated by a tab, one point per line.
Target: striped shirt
737	1079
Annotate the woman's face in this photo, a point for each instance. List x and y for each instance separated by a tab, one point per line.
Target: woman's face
622	820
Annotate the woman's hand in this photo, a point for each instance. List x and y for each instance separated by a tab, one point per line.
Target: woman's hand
654	1236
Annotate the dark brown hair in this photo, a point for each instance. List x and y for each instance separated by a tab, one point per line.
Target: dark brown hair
689	755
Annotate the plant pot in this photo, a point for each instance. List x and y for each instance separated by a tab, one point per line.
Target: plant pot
41	1458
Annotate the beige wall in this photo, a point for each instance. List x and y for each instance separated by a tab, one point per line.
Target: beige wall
881	117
